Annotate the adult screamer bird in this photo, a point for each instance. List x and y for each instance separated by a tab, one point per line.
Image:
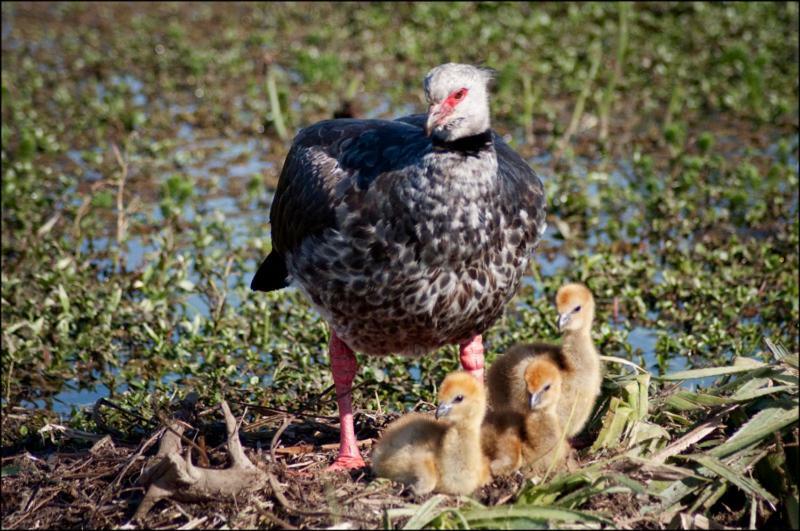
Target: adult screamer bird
406	235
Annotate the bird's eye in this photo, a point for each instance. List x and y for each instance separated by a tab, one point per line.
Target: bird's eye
577	309
547	387
458	399
459	94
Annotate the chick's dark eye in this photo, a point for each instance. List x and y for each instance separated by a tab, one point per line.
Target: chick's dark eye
577	309
458	399
547	387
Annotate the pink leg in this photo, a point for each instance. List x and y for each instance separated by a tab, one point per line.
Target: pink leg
472	356
343	366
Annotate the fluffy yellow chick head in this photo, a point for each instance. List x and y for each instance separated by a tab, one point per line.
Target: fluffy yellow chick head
544	383
575	306
461	398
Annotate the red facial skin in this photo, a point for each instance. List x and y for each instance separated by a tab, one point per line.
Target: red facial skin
444	109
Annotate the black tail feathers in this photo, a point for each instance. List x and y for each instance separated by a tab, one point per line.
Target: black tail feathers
271	274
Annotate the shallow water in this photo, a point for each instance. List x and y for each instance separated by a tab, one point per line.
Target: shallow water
74	395
229	162
221	167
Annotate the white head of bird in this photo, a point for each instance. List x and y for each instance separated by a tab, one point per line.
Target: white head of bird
575	306
462	399
458	98
543	380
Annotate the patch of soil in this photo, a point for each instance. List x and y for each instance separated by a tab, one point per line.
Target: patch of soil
72	483
75	485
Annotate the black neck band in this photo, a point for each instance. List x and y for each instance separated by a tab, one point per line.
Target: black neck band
469	145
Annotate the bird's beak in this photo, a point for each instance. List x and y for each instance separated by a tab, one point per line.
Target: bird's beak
535	399
433	113
443	410
436	115
563	319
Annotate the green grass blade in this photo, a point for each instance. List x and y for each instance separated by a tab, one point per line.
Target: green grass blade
751	384
275	106
548	493
547	514
703	373
792	359
750	395
719	468
687	401
777	350
426	512
613	425
763	424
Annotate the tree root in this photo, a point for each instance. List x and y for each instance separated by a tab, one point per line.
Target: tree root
174	476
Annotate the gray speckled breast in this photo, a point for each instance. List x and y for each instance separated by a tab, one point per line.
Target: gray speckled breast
423	257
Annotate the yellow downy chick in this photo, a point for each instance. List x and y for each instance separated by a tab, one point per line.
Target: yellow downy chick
531	441
577	360
441	454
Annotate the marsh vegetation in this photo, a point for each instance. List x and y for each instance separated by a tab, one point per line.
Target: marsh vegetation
140	145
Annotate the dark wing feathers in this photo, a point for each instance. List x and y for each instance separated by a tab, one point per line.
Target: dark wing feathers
333	156
417	120
325	161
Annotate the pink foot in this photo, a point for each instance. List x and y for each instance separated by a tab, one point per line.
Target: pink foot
472	356
343	366
346	462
